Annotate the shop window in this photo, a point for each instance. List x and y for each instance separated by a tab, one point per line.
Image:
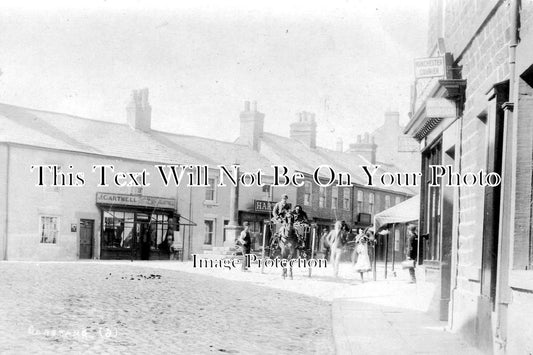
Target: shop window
397	200
334	197
158	231
118	229
371	200
123	229
209	231
49	229
322	197
307	195
210	191
346	199
387	201
360	201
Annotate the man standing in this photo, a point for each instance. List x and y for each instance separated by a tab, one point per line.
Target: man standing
246	241
336	241
412	252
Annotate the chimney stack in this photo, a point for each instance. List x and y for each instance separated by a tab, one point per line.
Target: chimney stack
365	147
252	122
304	129
139	111
339	146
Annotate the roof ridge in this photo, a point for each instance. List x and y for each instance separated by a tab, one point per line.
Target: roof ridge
64	114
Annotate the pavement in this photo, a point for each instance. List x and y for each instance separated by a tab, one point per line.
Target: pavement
362	328
216	310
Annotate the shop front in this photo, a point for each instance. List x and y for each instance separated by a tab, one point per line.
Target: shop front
256	219
136	227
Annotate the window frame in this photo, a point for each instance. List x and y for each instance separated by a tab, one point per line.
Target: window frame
308	193
211	188
41	229
360	201
334	197
213	231
371	202
322	193
346	199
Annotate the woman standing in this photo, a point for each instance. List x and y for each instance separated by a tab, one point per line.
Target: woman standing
363	260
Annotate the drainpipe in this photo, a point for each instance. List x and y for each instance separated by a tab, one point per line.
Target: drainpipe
507	208
6	227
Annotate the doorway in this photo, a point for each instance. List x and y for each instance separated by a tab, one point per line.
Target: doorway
86	238
143	236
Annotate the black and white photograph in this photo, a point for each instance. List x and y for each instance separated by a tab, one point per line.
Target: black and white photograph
266	177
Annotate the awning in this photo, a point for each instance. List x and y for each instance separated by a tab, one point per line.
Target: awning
190	223
407	211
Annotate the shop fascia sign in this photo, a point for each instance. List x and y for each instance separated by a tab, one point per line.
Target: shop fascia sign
440	108
263	206
430	67
134	200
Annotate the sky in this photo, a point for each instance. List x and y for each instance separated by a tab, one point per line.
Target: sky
346	61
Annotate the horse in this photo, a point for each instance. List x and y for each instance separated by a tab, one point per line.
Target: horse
288	243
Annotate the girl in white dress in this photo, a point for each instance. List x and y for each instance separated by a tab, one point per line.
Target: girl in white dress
363	260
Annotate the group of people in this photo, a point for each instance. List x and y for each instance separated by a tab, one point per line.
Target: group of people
334	241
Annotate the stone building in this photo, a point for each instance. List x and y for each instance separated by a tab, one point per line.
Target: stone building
103	220
474	114
356	203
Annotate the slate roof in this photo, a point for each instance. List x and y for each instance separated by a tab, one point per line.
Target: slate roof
61	131
296	155
71	133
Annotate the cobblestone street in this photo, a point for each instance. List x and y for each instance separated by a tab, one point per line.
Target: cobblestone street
117	308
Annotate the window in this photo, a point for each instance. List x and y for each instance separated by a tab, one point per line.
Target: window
397	200
209	231
49	229
387	201
322	197
346	200
371	203
226	222
307	194
360	201
210	190
158	230
123	229
334	197
118	231
267	189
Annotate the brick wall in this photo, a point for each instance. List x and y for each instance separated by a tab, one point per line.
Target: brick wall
477	34
523	112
